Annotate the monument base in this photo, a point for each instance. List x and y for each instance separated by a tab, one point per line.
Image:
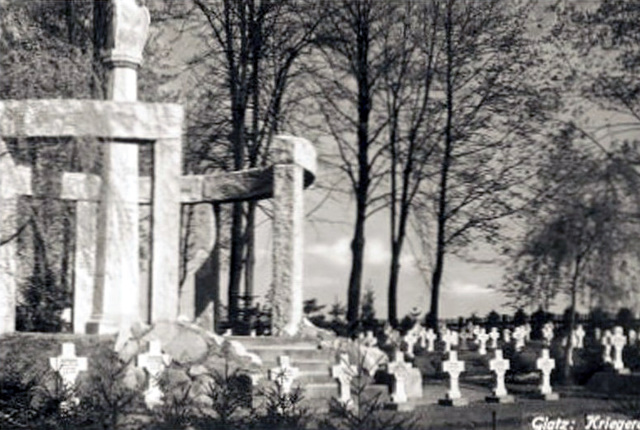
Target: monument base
550	397
623	371
400	407
453	402
500	399
102	327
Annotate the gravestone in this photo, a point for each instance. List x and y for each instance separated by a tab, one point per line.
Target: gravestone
579	337
519	335
506	335
409	341
482	339
284	374
407	376
499	366
546	365
633	337
619	340
454	368
154	362
606	341
547	333
344	372
494	334
597	333
449	339
431	337
68	366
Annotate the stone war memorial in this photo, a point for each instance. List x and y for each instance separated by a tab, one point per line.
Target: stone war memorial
143	340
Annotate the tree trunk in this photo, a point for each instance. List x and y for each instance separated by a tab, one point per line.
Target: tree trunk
357	254
442	216
217	304
394	272
572	322
235	263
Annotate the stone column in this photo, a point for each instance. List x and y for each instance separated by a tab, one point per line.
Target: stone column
291	155
116	298
165	230
8	255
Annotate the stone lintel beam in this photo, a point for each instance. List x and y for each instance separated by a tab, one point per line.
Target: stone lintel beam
113	120
296	150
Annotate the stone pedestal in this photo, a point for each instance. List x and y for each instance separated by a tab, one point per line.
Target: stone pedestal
500	399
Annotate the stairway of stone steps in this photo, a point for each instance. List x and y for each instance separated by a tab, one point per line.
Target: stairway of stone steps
314	365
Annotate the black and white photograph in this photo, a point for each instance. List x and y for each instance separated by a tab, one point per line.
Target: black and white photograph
320	214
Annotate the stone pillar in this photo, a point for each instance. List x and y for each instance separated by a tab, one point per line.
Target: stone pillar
116	298
165	230
84	264
291	155
8	255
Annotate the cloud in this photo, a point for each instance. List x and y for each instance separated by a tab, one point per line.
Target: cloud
337	252
459	288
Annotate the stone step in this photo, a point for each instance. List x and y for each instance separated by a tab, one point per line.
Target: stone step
270	340
270	353
304	364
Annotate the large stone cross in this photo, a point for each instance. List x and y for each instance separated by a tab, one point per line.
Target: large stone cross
545	364
454	368
344	372
154	362
284	374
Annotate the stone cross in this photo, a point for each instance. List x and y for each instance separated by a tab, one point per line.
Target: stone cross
454	368
547	333
154	362
370	340
606	341
410	340
68	365
597	333
618	341
400	370
421	333
449	339
494	334
482	339
431	337
519	335
545	364
579	337
633	337
506	335
527	332
344	372
284	374
499	366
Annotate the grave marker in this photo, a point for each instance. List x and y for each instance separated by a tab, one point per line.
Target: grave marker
284	374
633	337
370	340
410	340
454	368
344	372
506	335
482	339
154	362
619	341
606	342
431	337
494	334
519	335
546	365
499	366
547	333
449	339
579	337
69	366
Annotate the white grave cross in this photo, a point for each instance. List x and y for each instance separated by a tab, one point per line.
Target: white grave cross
344	373
154	362
284	374
454	368
547	333
506	335
619	340
410	340
494	335
68	365
431	337
482	338
400	371
545	364
499	366
519	335
579	337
